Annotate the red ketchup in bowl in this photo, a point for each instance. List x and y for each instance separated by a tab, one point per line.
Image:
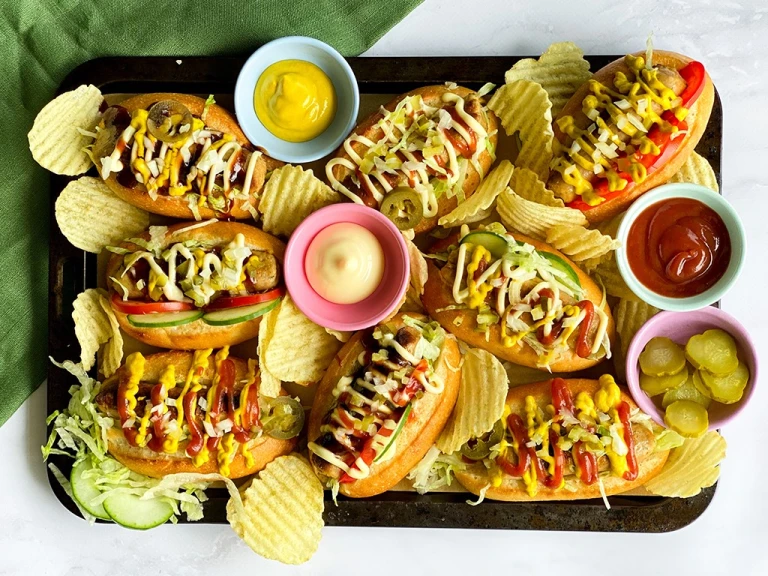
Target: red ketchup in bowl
678	247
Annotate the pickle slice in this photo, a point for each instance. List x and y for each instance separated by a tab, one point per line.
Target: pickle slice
686	391
713	351
687	418
700	385
655	385
662	357
727	389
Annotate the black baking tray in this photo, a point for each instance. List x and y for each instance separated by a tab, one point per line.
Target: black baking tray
72	270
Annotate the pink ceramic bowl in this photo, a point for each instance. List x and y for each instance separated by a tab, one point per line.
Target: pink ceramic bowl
679	327
369	312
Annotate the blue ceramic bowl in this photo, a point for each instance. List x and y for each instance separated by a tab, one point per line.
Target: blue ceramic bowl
329	61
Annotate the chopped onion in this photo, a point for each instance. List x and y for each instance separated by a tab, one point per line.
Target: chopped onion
636	121
209	428
575	147
623	104
129	423
593	114
606	150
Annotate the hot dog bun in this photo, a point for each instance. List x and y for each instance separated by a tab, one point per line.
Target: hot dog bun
697	120
432	96
197	335
216	118
650	463
426	420
438	295
154	464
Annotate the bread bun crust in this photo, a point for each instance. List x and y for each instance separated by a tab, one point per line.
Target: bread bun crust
427	418
176	206
156	465
198	335
432	96
697	120
650	463
438	295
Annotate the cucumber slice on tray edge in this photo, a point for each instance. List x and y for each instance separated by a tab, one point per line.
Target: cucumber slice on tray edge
130	511
84	490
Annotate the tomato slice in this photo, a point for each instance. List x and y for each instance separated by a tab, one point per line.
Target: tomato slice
247	300
141	307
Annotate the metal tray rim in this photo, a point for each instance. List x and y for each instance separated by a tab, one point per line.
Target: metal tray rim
393	509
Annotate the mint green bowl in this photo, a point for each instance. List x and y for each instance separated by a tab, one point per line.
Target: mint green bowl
732	223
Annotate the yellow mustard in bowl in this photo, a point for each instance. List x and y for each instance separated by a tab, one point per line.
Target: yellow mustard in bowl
295	100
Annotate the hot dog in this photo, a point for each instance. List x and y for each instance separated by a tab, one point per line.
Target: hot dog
564	440
520	299
629	129
195	286
195	412
199	165
382	404
442	161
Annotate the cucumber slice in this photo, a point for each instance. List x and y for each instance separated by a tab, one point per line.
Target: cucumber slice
396	433
496	244
84	490
131	511
164	319
563	266
240	314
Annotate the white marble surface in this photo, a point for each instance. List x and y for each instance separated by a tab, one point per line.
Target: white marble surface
38	536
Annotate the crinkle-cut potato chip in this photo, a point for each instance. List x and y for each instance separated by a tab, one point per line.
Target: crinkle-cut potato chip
281	517
92	326
480	404
55	140
290	195
697	170
578	243
526	184
630	315
418	266
112	355
523	106
611	227
340	335
91	216
412	302
607	272
560	70
269	384
298	349
483	198
519	375
532	219
691	467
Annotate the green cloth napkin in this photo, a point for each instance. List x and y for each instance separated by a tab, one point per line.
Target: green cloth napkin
41	41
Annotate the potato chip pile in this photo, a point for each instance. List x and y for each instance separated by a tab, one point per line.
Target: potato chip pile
96	326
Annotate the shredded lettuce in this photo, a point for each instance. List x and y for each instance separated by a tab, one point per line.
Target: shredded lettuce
487	88
80	432
335	490
435	470
433	336
667	440
208	103
481	496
